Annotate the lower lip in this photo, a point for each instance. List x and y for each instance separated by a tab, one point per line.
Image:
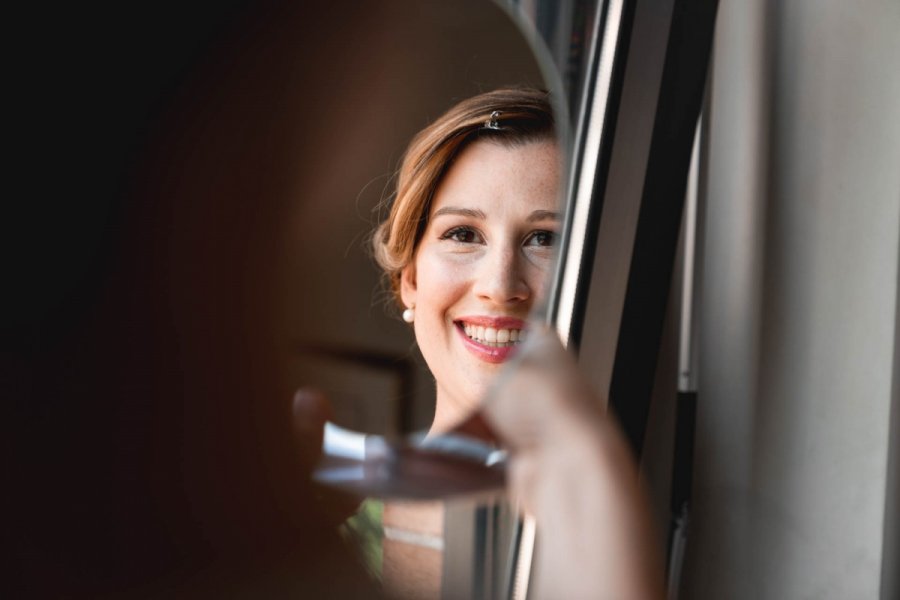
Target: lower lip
490	354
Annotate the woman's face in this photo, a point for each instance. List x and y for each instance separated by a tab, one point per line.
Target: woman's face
482	264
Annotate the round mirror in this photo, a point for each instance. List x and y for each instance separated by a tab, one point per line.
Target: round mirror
413	348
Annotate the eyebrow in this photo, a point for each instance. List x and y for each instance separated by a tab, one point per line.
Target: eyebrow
463	212
538	215
543	215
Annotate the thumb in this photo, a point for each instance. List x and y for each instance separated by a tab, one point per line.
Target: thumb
310	411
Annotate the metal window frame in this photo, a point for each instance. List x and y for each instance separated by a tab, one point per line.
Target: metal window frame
640	103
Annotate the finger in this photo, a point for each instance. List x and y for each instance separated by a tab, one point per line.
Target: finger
310	409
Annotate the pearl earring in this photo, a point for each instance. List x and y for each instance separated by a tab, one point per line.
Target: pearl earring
409	315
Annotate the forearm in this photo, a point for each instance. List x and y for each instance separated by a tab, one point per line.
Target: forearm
572	468
595	534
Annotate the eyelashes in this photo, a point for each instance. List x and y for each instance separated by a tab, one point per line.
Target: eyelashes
541	238
463	235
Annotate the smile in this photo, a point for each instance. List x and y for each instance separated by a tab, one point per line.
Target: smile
491	339
490	336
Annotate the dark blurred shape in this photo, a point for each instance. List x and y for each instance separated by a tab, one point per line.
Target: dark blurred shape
155	289
151	430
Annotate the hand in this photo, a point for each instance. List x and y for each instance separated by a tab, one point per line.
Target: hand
573	471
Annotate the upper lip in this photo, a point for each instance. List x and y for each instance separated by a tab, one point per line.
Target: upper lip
495	322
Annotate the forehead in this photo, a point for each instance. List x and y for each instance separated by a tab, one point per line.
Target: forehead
498	178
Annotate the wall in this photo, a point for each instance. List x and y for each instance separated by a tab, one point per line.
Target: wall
798	302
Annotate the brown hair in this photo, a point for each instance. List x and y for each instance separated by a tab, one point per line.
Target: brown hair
525	116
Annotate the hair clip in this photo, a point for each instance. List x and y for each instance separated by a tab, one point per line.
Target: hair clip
492	122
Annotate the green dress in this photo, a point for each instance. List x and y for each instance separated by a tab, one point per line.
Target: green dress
365	532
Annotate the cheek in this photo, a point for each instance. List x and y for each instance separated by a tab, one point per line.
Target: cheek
440	279
539	275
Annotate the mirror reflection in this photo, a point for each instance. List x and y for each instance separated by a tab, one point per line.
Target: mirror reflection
467	248
430	231
349	339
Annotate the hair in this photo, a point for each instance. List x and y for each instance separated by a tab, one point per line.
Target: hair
525	116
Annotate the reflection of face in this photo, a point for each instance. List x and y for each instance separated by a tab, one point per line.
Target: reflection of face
481	265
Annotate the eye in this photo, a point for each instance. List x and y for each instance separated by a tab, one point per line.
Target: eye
463	235
542	238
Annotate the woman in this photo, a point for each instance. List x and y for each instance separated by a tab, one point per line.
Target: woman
468	244
467	247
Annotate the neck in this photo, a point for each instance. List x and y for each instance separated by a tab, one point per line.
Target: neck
448	413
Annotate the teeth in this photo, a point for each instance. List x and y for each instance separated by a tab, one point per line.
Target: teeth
494	337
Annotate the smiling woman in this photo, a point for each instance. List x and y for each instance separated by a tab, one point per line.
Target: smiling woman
481	266
468	248
468	245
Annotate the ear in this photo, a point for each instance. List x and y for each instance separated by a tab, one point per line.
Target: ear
408	285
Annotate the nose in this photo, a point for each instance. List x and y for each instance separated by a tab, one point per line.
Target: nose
502	277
